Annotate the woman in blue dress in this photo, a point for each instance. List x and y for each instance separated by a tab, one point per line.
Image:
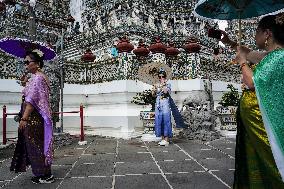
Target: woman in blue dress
163	124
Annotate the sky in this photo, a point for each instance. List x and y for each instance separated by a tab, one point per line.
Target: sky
222	25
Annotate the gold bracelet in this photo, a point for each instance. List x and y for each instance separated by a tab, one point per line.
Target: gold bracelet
23	119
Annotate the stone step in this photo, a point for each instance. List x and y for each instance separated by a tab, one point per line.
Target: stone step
71	50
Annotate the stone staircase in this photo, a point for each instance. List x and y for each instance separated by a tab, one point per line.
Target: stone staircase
71	50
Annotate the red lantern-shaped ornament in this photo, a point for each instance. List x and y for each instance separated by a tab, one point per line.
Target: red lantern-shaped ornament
88	56
171	50
192	46
141	50
158	46
124	45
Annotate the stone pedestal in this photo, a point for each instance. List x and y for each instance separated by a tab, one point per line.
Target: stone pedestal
228	117
148	119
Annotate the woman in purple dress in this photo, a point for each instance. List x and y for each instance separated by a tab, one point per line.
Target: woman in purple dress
34	145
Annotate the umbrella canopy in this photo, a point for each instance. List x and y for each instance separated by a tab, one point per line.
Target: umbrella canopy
18	47
236	9
149	72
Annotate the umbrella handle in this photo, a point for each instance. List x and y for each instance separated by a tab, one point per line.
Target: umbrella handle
240	32
240	28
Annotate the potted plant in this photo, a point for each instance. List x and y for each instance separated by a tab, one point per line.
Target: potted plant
145	98
230	98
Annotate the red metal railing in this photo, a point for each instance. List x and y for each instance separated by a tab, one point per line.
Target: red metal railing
5	114
81	111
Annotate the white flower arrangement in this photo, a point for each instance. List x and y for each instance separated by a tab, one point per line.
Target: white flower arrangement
39	52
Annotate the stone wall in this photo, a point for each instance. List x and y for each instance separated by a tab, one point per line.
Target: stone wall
108	107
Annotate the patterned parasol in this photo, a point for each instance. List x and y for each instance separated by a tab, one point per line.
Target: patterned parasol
17	47
149	72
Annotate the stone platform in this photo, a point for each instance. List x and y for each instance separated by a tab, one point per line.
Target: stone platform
132	164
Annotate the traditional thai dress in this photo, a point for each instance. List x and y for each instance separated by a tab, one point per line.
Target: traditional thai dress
163	124
34	145
259	143
163	108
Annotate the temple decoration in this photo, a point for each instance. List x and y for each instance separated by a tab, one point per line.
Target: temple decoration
124	45
141	50
102	25
171	50
192	46
88	56
157	46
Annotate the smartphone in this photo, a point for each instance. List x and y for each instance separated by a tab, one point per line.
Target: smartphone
214	33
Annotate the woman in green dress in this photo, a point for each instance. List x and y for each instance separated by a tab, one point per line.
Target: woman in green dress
260	137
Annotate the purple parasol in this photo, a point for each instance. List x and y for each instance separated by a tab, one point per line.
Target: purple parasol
18	47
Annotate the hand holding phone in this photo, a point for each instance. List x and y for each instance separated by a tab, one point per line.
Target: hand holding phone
214	33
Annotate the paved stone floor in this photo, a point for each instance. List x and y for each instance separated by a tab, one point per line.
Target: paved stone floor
132	164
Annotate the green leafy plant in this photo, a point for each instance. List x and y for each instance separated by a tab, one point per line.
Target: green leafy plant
230	98
145	98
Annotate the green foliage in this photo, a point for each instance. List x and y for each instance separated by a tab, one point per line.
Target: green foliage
145	98
230	98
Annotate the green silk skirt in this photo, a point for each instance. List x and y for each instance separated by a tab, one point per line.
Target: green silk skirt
255	167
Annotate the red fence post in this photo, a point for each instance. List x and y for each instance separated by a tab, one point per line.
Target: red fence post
4	125
82	122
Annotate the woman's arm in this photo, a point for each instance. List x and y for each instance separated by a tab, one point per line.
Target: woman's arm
255	56
154	90
167	88
28	110
247	73
252	56
227	41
